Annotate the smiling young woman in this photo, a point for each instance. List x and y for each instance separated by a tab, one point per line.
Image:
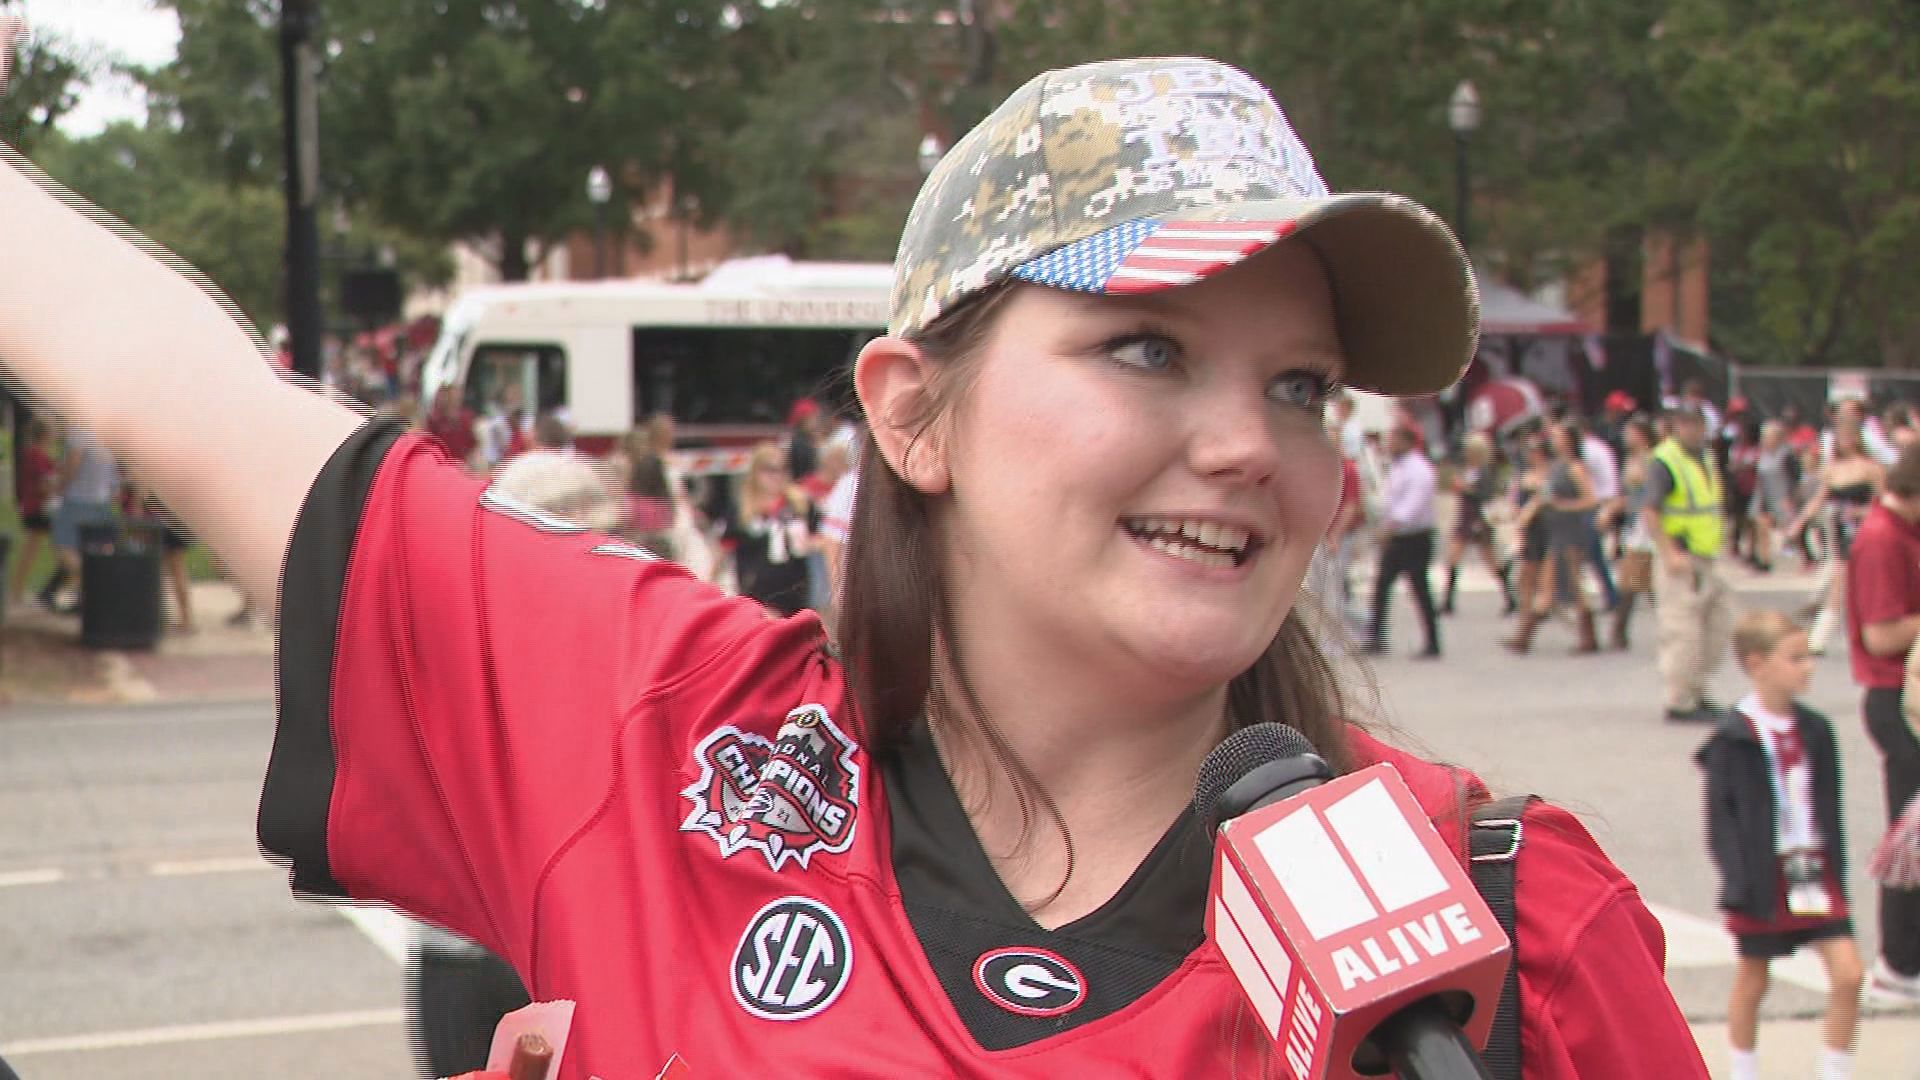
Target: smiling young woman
1126	492
959	842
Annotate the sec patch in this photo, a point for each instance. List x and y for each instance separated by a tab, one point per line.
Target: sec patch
793	960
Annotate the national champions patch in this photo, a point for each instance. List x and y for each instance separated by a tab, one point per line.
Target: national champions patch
786	798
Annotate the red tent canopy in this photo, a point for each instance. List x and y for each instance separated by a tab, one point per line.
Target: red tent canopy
1501	405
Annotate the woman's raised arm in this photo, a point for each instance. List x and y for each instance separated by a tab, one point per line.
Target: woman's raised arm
116	341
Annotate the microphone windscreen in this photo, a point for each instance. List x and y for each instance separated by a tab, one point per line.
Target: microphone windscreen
1239	754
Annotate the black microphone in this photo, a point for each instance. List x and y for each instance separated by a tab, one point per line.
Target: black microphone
1357	938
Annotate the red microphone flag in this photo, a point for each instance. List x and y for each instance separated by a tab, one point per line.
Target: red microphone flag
1341	905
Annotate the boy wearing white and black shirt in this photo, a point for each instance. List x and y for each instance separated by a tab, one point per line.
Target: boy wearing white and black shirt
1774	831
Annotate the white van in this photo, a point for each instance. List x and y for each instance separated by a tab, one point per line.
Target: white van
726	357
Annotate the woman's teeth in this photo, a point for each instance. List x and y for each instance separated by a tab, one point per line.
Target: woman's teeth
1208	543
1219	560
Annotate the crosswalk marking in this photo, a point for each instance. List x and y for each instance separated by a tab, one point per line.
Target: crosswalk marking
183	1033
41	876
188	867
97	870
389	930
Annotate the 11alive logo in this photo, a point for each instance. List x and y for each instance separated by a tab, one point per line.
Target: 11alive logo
1338	906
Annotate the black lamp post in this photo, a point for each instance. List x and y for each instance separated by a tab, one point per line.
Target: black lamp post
599	192
300	137
1463	116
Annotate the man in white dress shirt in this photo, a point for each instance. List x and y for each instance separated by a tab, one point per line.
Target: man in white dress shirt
1406	539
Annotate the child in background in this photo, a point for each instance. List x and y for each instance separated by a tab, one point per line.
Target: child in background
1773	826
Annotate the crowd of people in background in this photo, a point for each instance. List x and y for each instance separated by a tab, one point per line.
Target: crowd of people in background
1577	517
771	530
1554	510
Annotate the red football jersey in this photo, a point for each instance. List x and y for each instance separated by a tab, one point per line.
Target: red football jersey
655	801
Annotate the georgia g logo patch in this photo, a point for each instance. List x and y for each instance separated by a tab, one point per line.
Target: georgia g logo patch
1030	982
786	799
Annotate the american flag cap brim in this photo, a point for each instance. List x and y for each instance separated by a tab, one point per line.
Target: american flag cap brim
1404	294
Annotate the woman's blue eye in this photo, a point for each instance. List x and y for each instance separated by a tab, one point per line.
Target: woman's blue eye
1149	353
1302	389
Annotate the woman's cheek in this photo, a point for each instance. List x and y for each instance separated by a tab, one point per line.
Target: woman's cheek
1314	493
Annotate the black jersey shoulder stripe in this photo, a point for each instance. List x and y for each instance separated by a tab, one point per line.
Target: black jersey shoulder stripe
300	773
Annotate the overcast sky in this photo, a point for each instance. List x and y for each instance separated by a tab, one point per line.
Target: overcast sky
134	31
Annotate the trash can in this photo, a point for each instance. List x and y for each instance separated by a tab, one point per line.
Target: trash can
120	586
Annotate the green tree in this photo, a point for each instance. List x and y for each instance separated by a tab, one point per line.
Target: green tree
823	157
1571	115
47	77
216	106
221	92
144	177
1806	128
479	123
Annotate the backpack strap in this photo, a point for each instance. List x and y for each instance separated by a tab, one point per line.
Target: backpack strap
1493	845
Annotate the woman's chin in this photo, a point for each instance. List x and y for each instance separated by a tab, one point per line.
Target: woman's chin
1196	660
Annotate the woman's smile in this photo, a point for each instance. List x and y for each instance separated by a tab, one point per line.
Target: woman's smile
1200	541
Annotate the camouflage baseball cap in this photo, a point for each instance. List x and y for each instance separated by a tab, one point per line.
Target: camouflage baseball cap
1130	176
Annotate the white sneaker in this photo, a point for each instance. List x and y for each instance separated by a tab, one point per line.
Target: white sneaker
1889	985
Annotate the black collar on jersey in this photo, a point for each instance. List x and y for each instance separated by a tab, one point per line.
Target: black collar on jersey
961	911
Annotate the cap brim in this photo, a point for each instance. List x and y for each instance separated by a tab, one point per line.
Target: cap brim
1405	301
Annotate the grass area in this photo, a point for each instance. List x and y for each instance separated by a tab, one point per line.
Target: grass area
10	528
200	565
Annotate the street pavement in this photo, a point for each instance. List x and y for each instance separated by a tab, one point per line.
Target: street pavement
145	938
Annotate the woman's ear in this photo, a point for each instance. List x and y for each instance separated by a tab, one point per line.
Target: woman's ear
892	378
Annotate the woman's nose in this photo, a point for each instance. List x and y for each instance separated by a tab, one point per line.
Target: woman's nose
1235	436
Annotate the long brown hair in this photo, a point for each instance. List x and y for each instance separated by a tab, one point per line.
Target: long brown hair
896	622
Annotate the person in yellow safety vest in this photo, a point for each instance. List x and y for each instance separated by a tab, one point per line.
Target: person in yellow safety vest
1695	617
